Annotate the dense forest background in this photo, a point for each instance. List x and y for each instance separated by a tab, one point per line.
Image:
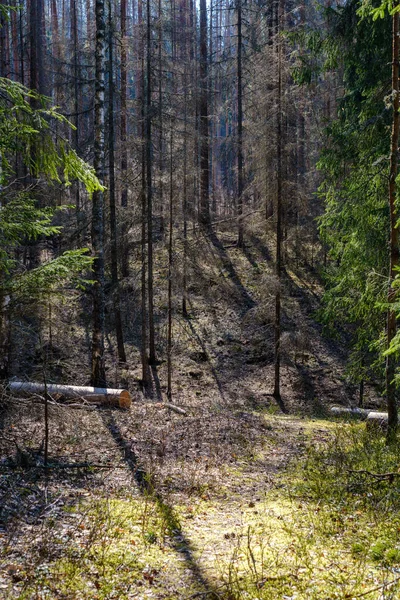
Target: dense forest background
200	120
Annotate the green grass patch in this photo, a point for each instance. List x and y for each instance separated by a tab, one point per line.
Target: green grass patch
330	530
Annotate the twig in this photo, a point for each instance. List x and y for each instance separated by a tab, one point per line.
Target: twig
174	408
84	465
389	476
38	399
375	589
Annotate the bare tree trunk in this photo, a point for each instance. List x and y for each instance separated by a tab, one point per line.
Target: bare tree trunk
143	349
149	189
3	42
124	150
77	74
185	187
279	213
160	116
239	125
55	37
4	333
21	44
16	75
113	216
204	204
394	234
170	264
36	46
98	377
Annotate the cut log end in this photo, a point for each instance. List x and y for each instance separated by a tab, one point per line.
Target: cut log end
377	421
125	399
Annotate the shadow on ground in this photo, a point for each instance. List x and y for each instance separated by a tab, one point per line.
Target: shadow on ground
146	485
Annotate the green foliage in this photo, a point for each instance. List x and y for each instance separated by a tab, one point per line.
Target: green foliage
51	276
26	131
20	220
355	164
368	9
316	52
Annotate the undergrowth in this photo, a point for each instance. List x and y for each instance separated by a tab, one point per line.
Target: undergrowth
329	529
332	531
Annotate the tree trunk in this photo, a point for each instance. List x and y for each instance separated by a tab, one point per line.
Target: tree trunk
143	348
204	204
239	125
3	43
113	216
185	186
279	212
149	189
124	150
37	46
77	74
98	377
170	259
394	235
160	116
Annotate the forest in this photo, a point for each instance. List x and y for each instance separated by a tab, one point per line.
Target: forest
199	299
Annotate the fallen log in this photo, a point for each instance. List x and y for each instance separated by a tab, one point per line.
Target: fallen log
374	420
360	413
114	397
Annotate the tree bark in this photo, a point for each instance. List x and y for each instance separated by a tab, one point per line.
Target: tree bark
204	204
113	215
279	213
170	260
394	234
98	376
143	349
124	150
149	188
121	398
239	125
37	43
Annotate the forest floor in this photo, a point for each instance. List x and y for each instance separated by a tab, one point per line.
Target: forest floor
204	505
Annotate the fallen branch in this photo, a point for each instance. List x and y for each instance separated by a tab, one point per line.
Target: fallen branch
390	476
84	465
375	589
174	408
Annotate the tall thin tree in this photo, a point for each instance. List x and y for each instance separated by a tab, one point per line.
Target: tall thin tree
124	87
149	185
279	209
170	265
111	191
394	232
239	124
204	201
98	376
